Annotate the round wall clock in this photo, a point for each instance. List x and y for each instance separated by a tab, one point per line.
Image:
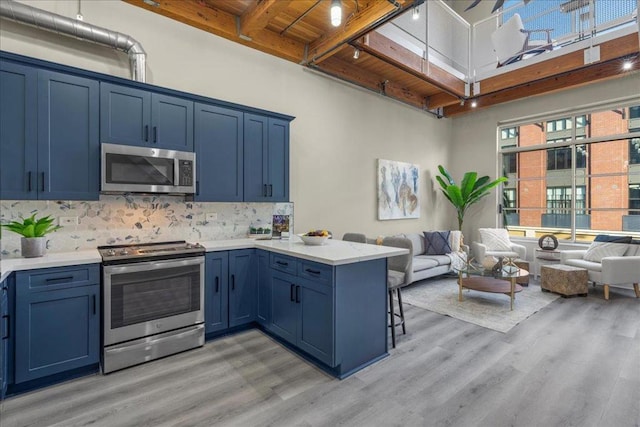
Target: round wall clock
548	242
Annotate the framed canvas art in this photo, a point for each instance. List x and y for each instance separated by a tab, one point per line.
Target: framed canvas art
398	190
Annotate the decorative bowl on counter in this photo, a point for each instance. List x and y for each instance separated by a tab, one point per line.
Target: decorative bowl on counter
315	238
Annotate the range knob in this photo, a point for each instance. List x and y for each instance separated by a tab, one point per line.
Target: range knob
124	252
111	252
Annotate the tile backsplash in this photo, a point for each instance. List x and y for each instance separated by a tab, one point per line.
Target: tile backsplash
134	219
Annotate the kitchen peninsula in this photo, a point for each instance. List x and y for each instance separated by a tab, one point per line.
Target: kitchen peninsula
327	303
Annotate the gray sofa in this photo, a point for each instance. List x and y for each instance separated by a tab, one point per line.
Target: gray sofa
424	266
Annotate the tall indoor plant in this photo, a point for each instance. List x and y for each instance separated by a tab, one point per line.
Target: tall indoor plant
470	191
33	232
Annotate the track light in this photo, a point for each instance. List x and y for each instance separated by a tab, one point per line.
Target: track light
415	14
474	103
336	13
627	65
356	53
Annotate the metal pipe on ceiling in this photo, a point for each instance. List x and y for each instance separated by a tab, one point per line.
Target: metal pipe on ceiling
44	20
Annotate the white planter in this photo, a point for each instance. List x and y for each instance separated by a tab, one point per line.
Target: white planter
33	246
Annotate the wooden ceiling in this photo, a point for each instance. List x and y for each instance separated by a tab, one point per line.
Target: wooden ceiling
300	31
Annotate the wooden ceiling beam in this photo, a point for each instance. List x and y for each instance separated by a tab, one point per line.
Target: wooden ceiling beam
223	24
351	73
597	72
609	50
371	15
259	13
393	53
441	99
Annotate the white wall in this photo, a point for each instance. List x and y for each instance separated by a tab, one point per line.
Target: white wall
474	141
336	138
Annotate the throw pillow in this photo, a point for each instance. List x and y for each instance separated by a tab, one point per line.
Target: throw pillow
495	239
454	240
599	250
436	242
612	239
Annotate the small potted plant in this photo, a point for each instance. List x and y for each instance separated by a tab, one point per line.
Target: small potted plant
33	231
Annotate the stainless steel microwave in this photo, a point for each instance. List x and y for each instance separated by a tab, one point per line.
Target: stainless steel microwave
129	169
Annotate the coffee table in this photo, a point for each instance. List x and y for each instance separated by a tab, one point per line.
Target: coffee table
484	280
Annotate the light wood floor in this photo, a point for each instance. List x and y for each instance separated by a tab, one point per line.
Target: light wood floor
574	363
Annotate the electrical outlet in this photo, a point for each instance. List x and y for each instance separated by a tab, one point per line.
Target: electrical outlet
68	220
211	216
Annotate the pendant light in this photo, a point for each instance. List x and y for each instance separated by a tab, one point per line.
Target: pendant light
336	13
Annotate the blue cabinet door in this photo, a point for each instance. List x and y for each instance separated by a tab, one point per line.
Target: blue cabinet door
4	336
68	137
171	123
284	309
315	333
278	160
242	287
255	152
56	330
219	143
18	135
264	289
216	292
125	115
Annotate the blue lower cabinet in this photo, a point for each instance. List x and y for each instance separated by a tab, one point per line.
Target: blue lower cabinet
5	335
216	292
263	315
284	309
56	330
303	314
242	287
315	319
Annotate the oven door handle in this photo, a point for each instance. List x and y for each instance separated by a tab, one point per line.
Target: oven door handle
152	265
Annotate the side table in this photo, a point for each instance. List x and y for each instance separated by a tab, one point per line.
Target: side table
544	257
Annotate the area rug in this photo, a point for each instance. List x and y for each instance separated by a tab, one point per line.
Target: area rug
480	308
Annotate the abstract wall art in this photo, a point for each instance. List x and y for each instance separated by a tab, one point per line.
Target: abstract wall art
398	190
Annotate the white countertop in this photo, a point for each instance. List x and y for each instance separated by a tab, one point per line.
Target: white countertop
333	252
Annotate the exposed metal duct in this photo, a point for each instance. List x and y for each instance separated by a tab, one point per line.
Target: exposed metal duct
44	20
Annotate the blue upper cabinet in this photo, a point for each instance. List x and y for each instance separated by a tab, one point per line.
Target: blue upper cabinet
49	135
219	153
18	136
266	159
68	137
138	117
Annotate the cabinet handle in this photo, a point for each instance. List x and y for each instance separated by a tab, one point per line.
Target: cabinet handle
298	294
8	331
217	283
233	282
59	279
291	298
270	190
42	181
155	134
197	188
310	271
94	304
264	190
282	263
146	132
29	181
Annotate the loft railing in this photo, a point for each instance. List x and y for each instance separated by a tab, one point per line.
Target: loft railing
571	21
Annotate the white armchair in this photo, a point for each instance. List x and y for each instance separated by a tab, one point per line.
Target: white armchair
495	242
618	271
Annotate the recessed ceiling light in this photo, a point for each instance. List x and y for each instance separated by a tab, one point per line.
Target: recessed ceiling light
474	103
627	65
415	14
356	53
336	13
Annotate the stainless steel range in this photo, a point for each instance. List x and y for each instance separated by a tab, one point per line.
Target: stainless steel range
153	301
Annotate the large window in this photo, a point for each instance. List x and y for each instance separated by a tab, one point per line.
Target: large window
577	175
